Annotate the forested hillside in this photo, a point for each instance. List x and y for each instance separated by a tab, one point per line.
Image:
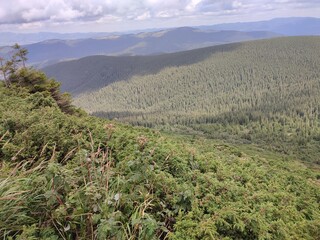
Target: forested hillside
95	72
265	92
66	175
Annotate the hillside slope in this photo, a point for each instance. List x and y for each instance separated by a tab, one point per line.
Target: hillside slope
71	176
267	90
217	80
95	72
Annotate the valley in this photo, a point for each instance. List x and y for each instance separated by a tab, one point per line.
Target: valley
263	92
208	132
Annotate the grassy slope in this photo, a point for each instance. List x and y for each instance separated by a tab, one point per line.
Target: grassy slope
74	176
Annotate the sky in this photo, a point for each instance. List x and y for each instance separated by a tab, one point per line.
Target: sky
126	15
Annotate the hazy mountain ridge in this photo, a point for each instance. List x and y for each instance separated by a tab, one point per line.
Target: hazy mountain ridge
294	26
7	38
173	40
72	46
285	26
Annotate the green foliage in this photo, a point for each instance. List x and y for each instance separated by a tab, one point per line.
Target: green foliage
16	76
9	67
36	82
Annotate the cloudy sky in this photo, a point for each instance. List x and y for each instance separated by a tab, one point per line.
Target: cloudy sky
123	15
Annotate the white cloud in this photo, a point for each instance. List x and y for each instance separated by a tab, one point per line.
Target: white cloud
23	13
192	6
144	16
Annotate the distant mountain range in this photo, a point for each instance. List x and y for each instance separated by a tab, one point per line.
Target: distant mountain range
63	48
165	41
295	26
8	38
